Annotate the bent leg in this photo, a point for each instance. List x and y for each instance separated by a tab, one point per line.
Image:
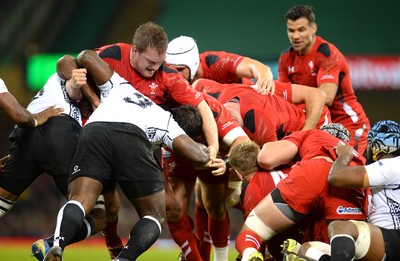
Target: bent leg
83	195
264	221
151	210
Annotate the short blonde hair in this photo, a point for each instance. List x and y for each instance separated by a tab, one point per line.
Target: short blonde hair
244	157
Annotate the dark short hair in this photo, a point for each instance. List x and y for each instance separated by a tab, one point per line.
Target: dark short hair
150	35
300	11
190	120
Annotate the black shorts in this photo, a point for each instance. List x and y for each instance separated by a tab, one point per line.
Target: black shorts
121	152
48	148
392	239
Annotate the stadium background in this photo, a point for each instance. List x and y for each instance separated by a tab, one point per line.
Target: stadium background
254	28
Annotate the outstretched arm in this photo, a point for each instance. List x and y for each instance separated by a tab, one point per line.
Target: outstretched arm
250	68
210	129
15	111
196	152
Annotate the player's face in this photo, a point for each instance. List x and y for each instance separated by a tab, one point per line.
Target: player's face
184	70
147	62
301	34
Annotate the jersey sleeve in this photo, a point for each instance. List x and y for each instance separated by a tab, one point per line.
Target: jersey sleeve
179	90
329	66
173	131
384	172
296	138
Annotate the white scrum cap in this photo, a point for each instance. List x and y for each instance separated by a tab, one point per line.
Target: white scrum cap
183	51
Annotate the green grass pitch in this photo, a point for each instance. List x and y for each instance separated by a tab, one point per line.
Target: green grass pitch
92	250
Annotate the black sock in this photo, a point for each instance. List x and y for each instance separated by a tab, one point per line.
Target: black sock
342	248
81	235
83	232
142	237
325	257
70	223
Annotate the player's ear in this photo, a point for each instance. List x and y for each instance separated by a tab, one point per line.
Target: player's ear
314	28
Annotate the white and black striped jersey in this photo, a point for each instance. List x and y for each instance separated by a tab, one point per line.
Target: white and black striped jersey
55	93
384	179
123	103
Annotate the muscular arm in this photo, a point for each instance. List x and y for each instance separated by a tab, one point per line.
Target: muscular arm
342	175
210	129
250	68
15	111
276	153
197	153
65	67
313	99
98	69
330	90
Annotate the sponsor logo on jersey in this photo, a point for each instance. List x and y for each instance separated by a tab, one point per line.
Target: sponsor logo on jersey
151	132
348	210
327	76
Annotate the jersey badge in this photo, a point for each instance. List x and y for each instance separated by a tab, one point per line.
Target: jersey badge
312	71
153	86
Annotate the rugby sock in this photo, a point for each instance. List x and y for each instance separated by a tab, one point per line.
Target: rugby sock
247	240
181	233
5	206
342	248
85	231
82	234
142	236
110	234
219	231
201	224
69	221
325	257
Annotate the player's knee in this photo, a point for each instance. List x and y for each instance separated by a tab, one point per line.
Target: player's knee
258	226
216	210
337	227
363	241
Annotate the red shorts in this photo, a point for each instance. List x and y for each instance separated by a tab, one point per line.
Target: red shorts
306	190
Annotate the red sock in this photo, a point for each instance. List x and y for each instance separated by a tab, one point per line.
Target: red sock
247	239
110	234
219	231
181	233
201	223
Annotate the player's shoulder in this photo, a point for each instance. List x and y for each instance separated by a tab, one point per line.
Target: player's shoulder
286	53
211	57
114	51
326	49
167	71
